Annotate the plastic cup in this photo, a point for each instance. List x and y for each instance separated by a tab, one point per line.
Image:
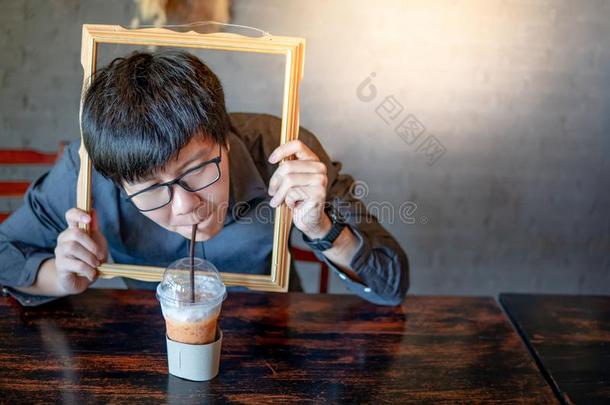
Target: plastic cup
193	338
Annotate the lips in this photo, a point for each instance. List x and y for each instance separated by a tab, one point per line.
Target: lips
196	223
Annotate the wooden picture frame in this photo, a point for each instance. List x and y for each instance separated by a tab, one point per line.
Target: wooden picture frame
293	50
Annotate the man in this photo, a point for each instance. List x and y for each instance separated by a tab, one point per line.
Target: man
166	156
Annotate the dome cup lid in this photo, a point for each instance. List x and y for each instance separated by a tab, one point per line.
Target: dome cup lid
175	287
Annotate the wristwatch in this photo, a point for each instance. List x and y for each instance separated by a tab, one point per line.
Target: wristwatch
325	243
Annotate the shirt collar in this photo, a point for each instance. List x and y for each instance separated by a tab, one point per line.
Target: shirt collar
247	187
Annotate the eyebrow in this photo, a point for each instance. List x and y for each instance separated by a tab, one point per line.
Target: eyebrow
188	162
151	177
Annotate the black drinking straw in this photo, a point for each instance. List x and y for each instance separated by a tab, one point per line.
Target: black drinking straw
192	252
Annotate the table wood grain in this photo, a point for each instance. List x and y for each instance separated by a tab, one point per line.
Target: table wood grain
109	346
569	336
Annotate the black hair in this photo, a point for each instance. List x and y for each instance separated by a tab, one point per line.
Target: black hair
139	111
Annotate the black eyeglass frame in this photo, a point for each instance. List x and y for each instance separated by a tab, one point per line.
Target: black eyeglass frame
178	181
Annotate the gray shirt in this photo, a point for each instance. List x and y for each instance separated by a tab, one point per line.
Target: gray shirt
244	245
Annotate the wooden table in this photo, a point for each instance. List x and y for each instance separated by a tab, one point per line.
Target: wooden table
109	346
570	339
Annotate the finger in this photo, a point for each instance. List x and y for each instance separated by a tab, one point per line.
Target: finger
74	216
81	237
294	166
296	180
77	251
295	147
73	283
80	268
100	240
310	194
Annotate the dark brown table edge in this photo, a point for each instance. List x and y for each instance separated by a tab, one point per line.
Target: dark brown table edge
530	348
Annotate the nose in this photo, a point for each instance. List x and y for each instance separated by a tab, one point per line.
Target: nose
184	202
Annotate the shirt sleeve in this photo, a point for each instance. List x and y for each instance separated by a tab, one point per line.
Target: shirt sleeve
29	235
379	260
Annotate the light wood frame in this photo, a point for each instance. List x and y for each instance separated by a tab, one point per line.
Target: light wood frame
293	50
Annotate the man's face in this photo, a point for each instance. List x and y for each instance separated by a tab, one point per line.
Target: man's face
207	207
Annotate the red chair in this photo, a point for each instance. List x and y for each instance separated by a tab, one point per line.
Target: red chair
23	157
309	257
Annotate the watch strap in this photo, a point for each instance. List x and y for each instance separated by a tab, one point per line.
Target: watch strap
327	241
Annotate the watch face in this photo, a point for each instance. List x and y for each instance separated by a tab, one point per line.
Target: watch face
334	215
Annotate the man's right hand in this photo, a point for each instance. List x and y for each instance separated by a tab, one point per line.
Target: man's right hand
78	255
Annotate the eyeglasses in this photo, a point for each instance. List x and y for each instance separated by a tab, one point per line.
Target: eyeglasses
195	179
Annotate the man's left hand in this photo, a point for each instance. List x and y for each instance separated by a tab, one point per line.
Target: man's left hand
301	184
